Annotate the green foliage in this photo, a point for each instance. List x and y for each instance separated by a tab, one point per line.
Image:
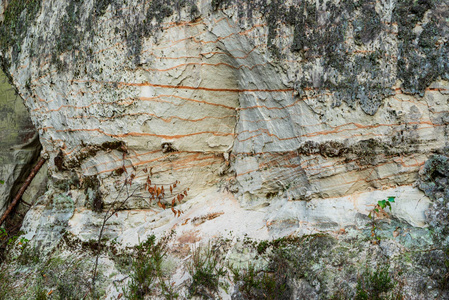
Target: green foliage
385	203
206	271
279	243
262	246
147	272
286	258
262	284
8	239
70	34
280	262
2	182
381	205
101	6
379	209
374	285
13	238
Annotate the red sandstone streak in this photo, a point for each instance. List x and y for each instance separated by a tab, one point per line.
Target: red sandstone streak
137	134
205	88
206	64
167	120
186	99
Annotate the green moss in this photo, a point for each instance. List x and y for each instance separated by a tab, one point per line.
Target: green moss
18	17
368	25
216	4
101	6
359	77
15	124
423	62
312	38
156	12
70	35
29	255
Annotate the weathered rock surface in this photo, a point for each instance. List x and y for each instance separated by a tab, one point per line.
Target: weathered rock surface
19	142
281	117
274	100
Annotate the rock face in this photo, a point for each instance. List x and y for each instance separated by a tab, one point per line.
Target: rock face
19	142
274	101
299	115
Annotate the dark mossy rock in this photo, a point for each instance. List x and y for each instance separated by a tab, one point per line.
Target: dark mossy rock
434	177
434	182
91	185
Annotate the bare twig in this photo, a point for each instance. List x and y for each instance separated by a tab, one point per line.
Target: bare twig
109	213
156	193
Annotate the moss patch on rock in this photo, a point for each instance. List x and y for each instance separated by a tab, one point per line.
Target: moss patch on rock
423	56
18	18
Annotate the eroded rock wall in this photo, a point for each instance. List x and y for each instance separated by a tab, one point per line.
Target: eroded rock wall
281	117
19	142
278	102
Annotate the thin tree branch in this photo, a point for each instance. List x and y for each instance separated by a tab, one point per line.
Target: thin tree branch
109	213
22	189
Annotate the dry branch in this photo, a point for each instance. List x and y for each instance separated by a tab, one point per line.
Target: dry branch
22	189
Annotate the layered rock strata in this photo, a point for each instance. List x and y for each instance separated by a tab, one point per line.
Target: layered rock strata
278	102
277	117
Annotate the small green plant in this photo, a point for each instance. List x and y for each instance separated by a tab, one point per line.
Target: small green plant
23	242
262	246
260	283
377	211
14	238
147	273
374	285
206	271
384	203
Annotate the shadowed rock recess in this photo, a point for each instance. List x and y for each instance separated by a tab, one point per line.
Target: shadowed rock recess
19	143
272	129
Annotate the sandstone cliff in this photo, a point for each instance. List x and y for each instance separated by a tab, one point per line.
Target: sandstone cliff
281	117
